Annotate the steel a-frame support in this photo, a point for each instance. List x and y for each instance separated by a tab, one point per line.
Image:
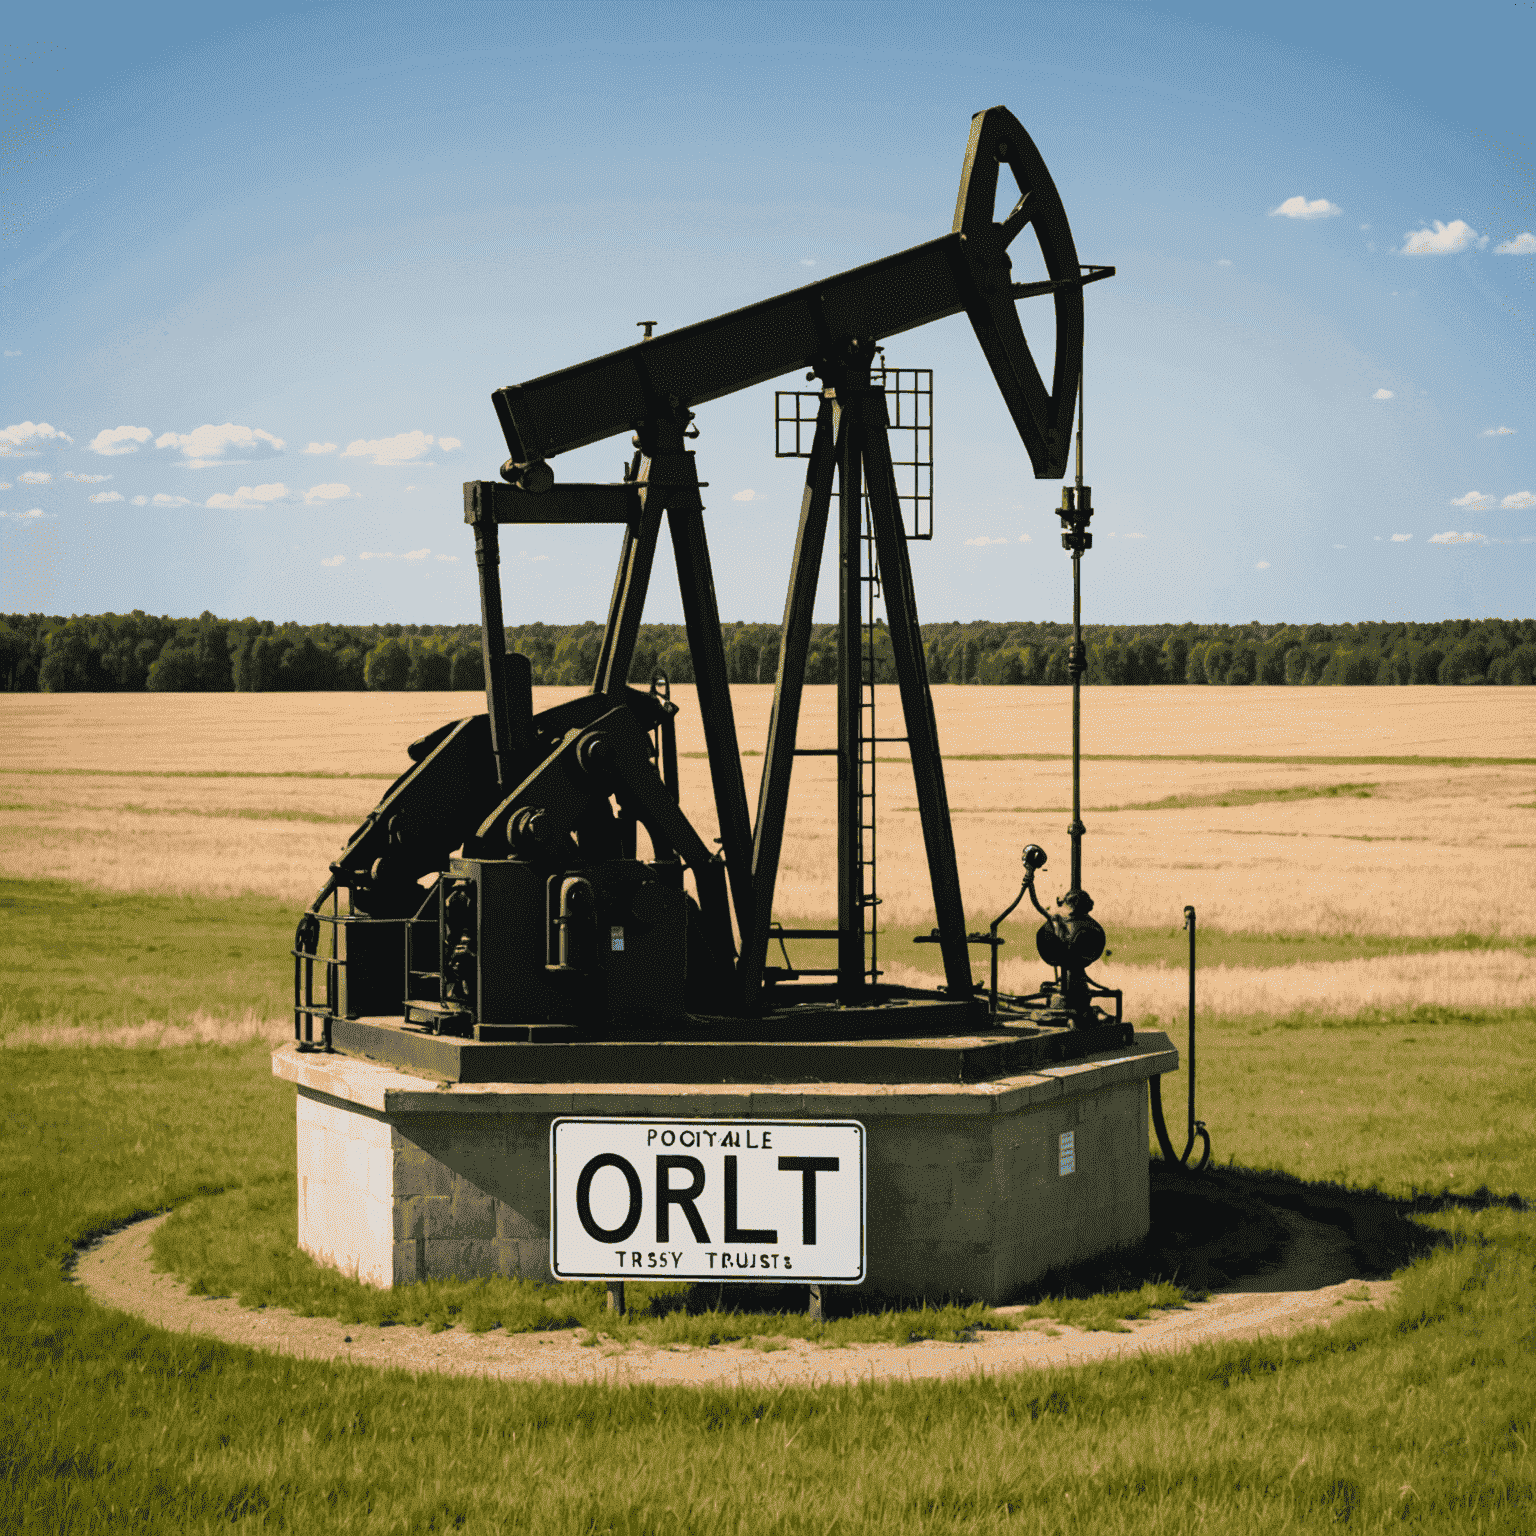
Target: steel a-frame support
665	479
852	442
662	480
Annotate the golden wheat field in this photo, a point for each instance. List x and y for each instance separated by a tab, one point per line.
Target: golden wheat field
217	794
117	789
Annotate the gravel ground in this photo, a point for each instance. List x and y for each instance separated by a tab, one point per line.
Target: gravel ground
1312	1287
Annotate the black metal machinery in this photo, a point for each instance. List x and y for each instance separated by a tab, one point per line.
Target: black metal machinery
540	930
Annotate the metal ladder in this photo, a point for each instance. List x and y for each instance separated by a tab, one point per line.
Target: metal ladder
866	749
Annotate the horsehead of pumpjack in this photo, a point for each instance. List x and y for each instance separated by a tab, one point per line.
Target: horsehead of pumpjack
546	912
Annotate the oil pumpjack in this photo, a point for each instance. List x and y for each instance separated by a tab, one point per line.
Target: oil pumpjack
499	925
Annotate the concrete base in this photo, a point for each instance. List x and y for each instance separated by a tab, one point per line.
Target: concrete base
402	1180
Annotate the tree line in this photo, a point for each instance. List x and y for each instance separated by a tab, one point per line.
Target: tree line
139	652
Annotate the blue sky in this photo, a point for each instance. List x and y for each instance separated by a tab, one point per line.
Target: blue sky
264	265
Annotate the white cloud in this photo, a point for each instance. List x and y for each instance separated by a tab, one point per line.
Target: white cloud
1443	239
415	554
449	444
807	261
1473	501
451	559
1521	245
170	501
107	496
1341	546
1024	538
1401	538
1384	394
9	353
1263	565
249	496
111	441
23	434
1516	503
1135	535
1221	261
403	448
5	485
209	444
983	539
69	474
139	501
1458	538
1300	208
35	477
334	491
22	517
321	448
1364	227
748	496
1498	432
334	560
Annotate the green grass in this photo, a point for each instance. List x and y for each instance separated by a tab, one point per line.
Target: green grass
1182	757
1159	946
1231	757
244	1243
1277	796
1254	797
74	957
223	813
1418	1417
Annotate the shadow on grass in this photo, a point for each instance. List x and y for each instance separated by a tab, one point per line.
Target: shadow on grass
1242	1229
1250	1229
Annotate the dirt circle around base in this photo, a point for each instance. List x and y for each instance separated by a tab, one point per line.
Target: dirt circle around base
118	1273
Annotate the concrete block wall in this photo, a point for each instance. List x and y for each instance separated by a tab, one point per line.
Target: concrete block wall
471	1195
346	1188
1047	1219
400	1182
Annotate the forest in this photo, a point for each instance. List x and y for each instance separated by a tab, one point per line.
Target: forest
138	652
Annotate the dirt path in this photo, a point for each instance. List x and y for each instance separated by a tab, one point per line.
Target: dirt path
1311	1288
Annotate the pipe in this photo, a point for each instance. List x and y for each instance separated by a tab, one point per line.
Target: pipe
1196	1127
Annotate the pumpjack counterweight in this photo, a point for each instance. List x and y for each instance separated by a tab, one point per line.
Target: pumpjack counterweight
495	896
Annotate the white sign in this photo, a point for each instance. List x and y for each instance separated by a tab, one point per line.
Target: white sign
1067	1153
707	1200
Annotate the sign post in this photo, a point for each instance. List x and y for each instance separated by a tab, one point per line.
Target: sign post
758	1200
